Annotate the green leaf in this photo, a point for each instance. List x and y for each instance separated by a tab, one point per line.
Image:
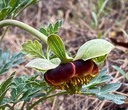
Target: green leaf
99	59
5	86
93	49
21	5
57	46
121	71
11	8
55	61
34	49
5	101
57	25
105	93
44	31
101	78
94	16
110	87
18	87
101	6
118	99
13	3
50	29
41	64
26	87
8	60
4	12
100	35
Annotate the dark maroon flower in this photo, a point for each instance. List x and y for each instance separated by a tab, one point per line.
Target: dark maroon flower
60	74
83	67
73	75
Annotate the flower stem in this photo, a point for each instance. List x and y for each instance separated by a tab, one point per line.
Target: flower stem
25	27
44	98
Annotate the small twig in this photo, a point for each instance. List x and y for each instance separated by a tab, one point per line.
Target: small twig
44	98
3	34
102	105
22	108
120	93
54	103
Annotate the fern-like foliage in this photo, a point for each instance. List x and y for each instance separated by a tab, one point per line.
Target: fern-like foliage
9	60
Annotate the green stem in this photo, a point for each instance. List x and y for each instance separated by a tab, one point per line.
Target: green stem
25	27
44	98
87	93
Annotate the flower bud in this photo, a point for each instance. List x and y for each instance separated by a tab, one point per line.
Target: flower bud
72	76
60	74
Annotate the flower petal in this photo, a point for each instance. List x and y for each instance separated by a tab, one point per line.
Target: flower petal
60	74
83	68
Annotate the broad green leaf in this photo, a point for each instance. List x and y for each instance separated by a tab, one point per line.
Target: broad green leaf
41	64
110	87
33	49
105	93
57	46
118	99
93	49
121	71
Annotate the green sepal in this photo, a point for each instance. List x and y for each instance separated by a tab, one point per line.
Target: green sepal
57	46
42	64
96	49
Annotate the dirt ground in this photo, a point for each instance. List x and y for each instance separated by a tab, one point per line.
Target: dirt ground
78	27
